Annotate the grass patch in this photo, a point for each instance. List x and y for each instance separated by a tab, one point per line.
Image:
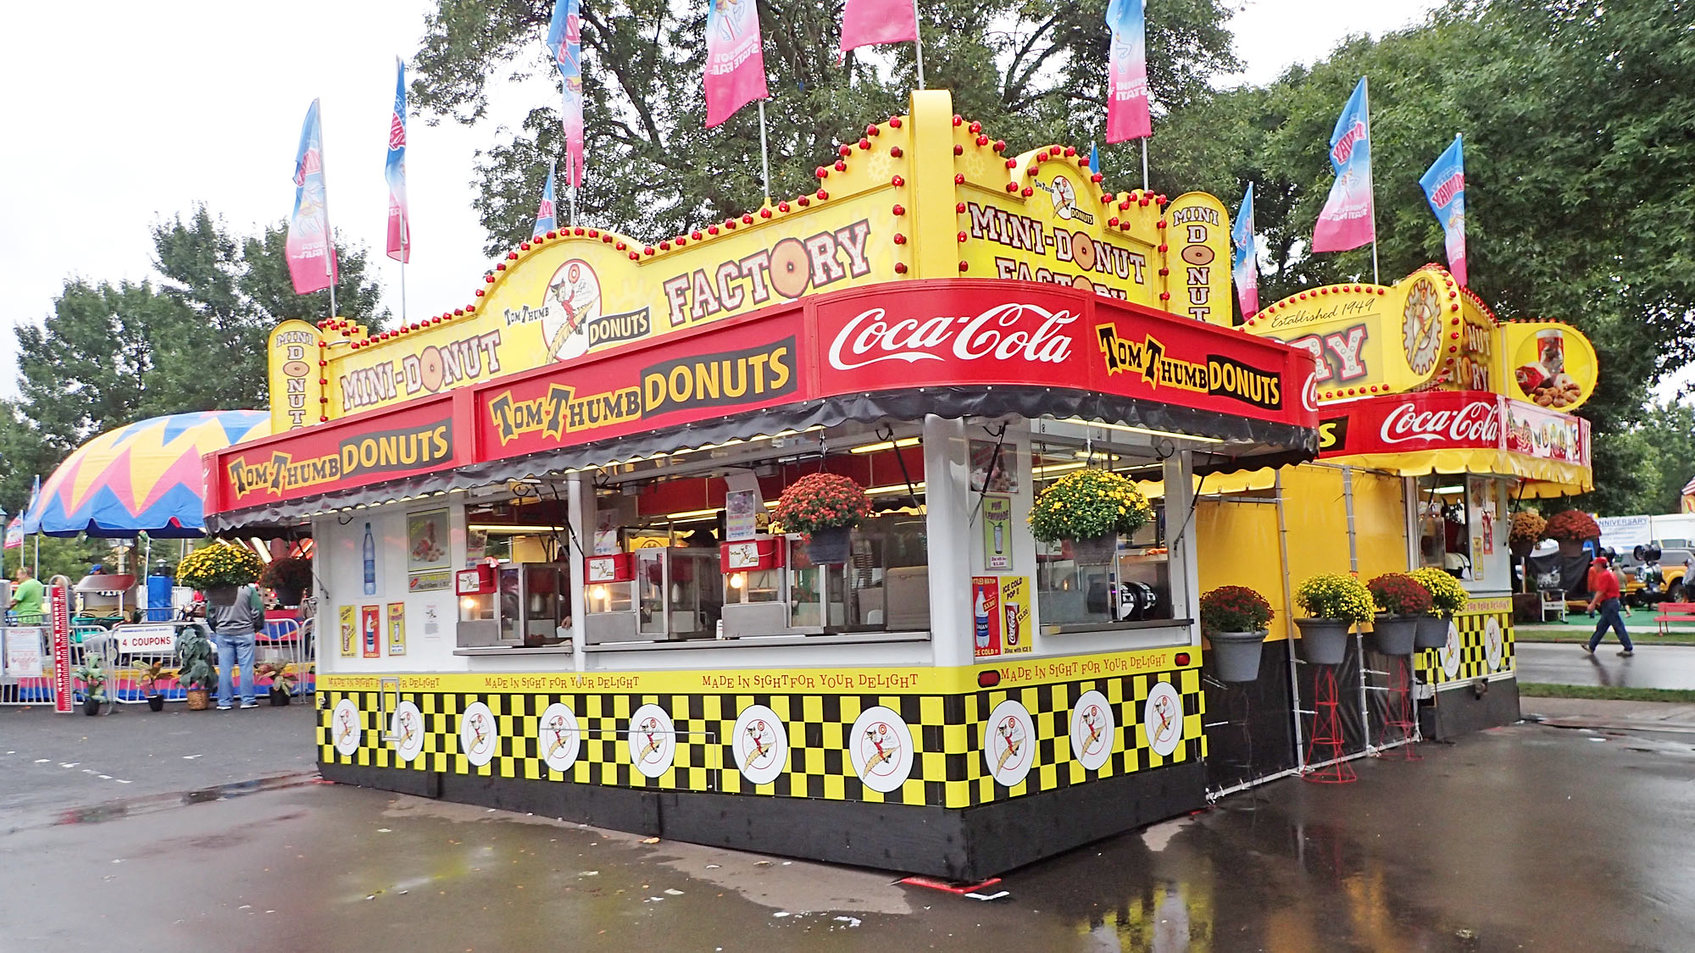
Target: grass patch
1554	633
1606	693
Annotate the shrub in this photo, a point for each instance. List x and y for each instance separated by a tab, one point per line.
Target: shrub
1447	596
1332	595
1234	609
1399	594
1088	503
1571	526
821	501
290	572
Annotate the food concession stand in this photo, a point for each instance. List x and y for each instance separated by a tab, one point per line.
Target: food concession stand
1436	420
542	517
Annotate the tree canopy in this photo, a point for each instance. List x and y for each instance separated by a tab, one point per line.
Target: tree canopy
191	338
1036	71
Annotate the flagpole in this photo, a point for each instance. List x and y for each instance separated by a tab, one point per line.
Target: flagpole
573	206
765	152
1144	163
918	48
329	235
1366	82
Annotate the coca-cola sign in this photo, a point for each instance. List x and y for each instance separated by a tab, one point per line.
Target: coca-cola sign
1474	424
1012	331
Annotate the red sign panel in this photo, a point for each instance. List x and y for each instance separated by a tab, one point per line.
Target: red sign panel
999	333
1447	420
972	334
59	612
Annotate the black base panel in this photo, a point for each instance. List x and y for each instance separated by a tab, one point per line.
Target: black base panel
1458	711
955	844
1250	726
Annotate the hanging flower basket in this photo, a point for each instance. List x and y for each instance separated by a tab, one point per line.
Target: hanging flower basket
1091	508
1527	529
825	506
1234	619
219	564
1336	603
1571	529
1447	599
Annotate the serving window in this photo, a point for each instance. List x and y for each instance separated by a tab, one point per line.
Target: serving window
514	588
1101	584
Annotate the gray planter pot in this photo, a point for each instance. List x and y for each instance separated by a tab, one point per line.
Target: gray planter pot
1432	632
1235	655
1394	634
1095	551
1324	641
829	546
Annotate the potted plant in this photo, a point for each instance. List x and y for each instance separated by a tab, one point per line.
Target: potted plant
1447	599
826	507
1334	603
1090	508
199	673
1234	619
93	677
290	576
282	681
1528	527
147	679
217	570
1400	600
1571	529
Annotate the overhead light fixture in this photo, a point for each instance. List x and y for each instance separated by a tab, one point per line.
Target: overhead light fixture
884	445
513	528
1126	428
895	488
1057	467
1450	489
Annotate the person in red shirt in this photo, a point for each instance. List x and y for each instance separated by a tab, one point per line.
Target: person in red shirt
1604	593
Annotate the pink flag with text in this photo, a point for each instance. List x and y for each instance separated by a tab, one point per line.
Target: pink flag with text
871	22
1127	114
735	59
1348	220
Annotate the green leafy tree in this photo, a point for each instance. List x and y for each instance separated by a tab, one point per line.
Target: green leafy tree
1031	74
1579	205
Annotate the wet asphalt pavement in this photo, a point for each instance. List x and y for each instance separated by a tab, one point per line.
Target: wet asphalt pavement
1565	663
1522	838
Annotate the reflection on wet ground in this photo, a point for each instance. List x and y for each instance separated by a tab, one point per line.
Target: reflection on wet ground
1526	838
135	807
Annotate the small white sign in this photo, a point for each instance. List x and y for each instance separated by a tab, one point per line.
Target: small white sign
23	653
146	639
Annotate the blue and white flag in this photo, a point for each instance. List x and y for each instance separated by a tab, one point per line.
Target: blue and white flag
1444	189
1244	256
546	219
1348	219
565	43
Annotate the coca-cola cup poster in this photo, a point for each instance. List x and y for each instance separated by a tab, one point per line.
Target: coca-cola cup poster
997	532
1015	614
986	616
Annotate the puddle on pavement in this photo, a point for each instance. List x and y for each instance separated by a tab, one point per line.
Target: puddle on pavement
156	803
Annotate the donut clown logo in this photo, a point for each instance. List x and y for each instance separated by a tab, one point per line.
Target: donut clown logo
760	744
880	746
406	731
1162	719
346	731
1092	727
652	741
573	302
558	737
479	736
1009	747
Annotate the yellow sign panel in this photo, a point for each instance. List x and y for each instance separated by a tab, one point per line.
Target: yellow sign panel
1198	234
926	195
1370	339
1549	364
295	349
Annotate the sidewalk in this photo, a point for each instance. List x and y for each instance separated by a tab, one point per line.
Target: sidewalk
1609	715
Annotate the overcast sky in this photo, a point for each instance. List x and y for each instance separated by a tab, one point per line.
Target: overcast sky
161	105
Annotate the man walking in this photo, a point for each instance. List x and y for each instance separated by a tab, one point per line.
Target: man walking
1604	594
234	628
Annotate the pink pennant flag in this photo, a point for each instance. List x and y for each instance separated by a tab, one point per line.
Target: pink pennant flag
735	59
1348	219
872	22
1127	114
